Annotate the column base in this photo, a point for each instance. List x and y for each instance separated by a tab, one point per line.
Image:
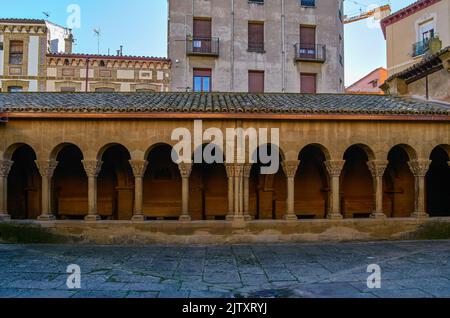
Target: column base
185	218
248	217
5	217
420	215
236	218
138	218
378	215
46	217
92	218
290	217
335	216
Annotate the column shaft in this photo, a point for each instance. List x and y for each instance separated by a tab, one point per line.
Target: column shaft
377	169
290	170
334	168
92	168
46	169
419	169
185	171
5	168
139	167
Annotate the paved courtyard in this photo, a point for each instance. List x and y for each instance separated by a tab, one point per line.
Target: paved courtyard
409	269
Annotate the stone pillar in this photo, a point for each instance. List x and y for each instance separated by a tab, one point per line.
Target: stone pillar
92	168
238	193
46	170
185	171
419	168
246	185
290	170
230	174
334	168
377	169
5	168
139	167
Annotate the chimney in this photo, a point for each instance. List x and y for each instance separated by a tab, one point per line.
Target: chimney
68	44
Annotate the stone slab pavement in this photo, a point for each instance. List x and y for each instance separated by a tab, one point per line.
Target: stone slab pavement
408	269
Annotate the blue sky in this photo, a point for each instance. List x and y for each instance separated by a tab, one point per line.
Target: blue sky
141	27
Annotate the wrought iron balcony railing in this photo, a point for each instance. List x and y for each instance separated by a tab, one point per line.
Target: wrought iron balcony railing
422	47
310	52
202	46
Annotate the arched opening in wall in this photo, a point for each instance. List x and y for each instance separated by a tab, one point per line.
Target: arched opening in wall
398	184
115	184
162	185
24	185
70	184
209	188
267	192
311	184
357	197
438	183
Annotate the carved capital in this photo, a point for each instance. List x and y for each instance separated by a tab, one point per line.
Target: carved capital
92	167
139	167
247	170
290	168
46	167
185	169
334	167
229	167
5	167
377	167
238	170
419	168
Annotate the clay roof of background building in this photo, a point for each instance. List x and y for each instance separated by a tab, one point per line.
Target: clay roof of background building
216	103
427	65
108	57
22	21
405	12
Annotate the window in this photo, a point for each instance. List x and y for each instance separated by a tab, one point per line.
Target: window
374	83
16	52
307	41
201	43
15	89
256	37
256	81
308	3
104	90
202	80
308	83
1	46
68	89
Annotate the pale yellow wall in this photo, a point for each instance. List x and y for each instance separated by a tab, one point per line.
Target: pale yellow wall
401	36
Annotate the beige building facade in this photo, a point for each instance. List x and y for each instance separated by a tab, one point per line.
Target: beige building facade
36	56
258	46
415	31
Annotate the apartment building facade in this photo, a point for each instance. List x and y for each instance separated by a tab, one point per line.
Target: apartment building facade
414	32
256	46
36	56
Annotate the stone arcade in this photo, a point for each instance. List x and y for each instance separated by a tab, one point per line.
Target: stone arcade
106	157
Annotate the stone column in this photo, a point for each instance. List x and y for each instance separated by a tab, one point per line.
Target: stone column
334	168
377	169
46	170
419	168
238	193
92	168
246	181
139	167
290	170
230	174
185	171
5	168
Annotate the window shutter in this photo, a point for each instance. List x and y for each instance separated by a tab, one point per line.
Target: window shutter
307	35
202	28
256	36
308	83
256	82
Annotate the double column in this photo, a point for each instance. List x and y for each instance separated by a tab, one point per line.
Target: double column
334	168
139	167
92	168
46	170
419	169
185	171
377	169
290	170
5	168
238	191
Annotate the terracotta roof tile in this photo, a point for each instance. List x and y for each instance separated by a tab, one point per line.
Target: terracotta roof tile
217	103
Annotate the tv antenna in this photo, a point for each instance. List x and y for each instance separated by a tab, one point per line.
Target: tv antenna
47	14
98	34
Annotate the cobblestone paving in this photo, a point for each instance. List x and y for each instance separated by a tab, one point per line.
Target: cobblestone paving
409	269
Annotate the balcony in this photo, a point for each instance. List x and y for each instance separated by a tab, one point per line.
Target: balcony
202	46
422	47
310	53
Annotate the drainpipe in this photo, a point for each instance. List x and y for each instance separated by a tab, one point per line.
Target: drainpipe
232	46
283	47
87	75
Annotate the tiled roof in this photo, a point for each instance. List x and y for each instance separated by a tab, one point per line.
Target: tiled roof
220	103
22	21
108	57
